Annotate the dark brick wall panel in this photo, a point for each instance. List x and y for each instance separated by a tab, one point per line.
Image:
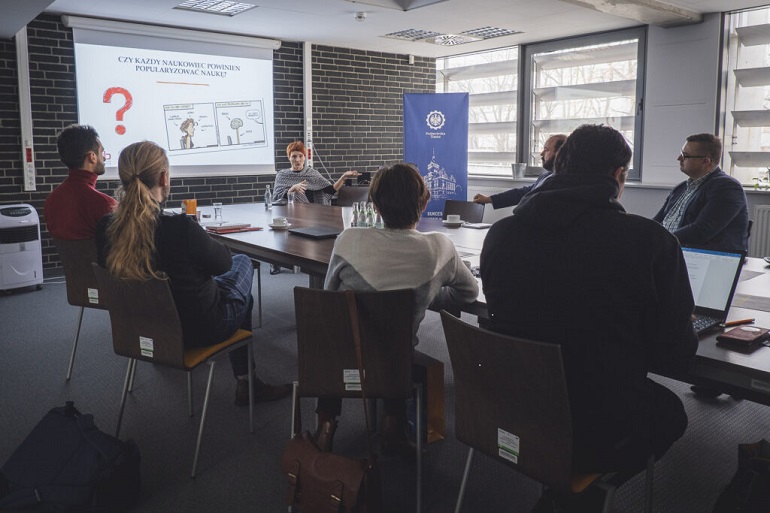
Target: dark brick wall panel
357	116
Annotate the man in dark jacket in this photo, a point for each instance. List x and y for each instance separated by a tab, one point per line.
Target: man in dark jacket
708	209
571	267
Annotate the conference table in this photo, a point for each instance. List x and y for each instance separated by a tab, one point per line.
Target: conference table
742	375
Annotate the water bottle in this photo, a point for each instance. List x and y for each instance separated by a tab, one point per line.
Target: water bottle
268	198
369	216
361	216
354	217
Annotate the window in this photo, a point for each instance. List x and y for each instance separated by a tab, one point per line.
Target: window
491	79
590	79
747	97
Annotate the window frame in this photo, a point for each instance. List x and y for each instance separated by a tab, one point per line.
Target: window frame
526	86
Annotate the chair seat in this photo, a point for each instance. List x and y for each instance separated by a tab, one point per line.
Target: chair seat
580	482
197	355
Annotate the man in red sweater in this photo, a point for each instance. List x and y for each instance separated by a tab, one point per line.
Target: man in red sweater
74	207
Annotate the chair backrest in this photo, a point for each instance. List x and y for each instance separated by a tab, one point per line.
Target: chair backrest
517	386
76	257
469	211
326	351
145	323
346	196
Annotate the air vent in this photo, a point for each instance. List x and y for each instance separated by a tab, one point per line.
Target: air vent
18	234
452	39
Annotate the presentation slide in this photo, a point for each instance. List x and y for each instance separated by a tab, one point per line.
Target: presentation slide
207	111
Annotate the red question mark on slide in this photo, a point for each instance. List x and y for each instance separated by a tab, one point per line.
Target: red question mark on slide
108	94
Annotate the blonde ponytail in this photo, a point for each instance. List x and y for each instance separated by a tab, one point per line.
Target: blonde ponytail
132	231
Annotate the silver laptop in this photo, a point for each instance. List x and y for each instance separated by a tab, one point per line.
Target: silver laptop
713	278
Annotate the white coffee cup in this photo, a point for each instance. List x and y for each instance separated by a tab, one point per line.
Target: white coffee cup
280	221
453	218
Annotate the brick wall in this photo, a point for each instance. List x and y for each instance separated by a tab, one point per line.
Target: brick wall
357	116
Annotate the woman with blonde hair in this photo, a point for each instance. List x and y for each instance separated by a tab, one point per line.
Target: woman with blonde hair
211	289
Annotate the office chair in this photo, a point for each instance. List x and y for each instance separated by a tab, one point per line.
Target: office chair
510	389
146	326
325	349
346	196
469	211
82	290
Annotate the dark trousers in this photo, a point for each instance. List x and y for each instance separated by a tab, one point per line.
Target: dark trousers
665	423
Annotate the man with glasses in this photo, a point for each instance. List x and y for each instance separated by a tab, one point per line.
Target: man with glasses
708	209
74	207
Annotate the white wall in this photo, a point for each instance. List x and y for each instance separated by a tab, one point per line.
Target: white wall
681	93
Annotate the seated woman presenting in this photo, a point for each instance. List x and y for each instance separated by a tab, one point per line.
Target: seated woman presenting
306	182
396	257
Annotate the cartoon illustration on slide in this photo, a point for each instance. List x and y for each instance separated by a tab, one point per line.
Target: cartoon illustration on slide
188	128
245	121
215	125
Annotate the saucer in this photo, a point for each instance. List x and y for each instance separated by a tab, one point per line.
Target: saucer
452	224
280	227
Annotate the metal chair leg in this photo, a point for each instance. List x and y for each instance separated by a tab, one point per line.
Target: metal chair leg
464	482
250	353
259	295
203	418
75	344
294	406
418	438
129	372
131	383
648	480
190	408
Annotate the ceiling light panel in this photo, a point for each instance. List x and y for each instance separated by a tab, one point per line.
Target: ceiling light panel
223	8
412	34
490	32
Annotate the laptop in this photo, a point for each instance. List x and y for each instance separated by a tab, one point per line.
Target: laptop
316	232
713	278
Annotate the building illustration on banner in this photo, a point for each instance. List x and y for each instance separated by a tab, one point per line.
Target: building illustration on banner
441	184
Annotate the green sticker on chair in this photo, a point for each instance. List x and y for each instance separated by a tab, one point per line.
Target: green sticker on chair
507	446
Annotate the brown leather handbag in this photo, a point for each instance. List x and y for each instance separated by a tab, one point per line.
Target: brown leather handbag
321	482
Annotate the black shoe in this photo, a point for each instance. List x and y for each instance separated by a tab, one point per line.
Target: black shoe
324	435
275	269
706	392
263	392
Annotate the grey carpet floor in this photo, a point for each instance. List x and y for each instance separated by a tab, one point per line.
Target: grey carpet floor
240	472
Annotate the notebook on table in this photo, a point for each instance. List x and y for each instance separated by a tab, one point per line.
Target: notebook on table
316	232
713	278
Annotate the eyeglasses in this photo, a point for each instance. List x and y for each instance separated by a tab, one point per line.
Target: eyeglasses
685	156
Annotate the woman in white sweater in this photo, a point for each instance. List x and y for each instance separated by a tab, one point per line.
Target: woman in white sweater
392	258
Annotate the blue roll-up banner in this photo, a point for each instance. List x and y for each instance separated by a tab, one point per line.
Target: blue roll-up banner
436	139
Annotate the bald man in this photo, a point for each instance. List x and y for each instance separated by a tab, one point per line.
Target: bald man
512	197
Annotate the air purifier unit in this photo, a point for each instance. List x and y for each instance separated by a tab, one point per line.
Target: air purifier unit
21	256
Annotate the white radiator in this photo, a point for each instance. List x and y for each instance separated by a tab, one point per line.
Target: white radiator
759	242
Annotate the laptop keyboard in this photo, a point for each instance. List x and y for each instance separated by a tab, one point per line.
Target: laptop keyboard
703	323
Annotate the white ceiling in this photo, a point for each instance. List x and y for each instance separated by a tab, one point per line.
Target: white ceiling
333	22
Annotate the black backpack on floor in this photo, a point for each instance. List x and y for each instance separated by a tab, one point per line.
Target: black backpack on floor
66	465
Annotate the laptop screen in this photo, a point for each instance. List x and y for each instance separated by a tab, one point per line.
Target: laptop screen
713	277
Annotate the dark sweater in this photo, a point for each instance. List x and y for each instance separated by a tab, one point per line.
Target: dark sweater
190	258
572	267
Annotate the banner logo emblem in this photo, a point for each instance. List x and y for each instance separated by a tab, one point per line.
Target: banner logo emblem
435	120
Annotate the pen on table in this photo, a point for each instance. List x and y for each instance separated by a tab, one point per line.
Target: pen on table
730	324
